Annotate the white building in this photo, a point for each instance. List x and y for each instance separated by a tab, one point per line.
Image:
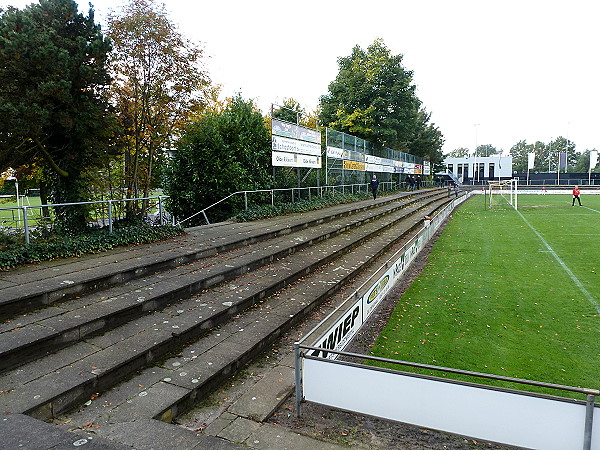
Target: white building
479	169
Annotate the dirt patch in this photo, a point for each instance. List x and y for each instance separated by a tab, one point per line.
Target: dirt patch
357	430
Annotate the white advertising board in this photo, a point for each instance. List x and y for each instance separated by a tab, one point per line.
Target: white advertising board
335	152
283	159
506	417
283	144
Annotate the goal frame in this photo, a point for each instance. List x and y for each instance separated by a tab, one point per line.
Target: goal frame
495	187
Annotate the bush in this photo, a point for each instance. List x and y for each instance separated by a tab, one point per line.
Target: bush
93	241
257	212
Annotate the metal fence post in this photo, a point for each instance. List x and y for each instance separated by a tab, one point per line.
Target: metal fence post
298	377
589	418
246	200
160	211
25	224
110	219
272	197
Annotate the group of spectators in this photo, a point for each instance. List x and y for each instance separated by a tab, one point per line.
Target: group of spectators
413	182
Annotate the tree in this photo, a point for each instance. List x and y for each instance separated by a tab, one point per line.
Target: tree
373	97
486	150
427	140
292	111
158	87
460	152
583	163
519	153
52	77
221	152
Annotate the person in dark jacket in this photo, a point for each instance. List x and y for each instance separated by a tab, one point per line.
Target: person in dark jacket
374	186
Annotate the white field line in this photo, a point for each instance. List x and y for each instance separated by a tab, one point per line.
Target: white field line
585	292
591	209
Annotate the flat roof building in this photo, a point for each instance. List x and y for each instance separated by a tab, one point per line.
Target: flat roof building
480	169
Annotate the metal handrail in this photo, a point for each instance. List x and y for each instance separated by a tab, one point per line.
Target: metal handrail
586	391
320	189
24	208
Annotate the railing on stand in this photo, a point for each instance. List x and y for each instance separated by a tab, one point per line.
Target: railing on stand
295	193
25	212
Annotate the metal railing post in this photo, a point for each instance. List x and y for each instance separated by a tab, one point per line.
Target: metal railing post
25	225
160	211
298	377
589	419
245	200
110	218
272	197
292	195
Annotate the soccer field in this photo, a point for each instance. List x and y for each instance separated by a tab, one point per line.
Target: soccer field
512	293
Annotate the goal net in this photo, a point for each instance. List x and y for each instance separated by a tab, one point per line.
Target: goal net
503	194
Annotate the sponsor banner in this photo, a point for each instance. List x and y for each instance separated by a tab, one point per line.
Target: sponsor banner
376	160
374	168
426	168
289	130
409	168
282	144
282	159
418	169
378	292
341	332
334	152
373	159
354	165
354	156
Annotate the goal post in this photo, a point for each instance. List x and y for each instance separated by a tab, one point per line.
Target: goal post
503	193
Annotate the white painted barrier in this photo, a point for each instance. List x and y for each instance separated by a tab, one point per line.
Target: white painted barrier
482	412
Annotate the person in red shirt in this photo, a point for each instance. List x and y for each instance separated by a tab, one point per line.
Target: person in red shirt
576	193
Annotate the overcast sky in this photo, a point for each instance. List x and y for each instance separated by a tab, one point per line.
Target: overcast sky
489	72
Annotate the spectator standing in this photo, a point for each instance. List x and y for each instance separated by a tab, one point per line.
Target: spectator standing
374	186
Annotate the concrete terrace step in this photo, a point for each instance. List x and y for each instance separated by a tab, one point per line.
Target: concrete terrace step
165	390
20	431
38	333
51	385
25	288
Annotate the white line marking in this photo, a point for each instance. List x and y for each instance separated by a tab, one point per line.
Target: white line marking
591	209
585	292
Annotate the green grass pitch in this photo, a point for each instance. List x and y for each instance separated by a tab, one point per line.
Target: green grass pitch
508	293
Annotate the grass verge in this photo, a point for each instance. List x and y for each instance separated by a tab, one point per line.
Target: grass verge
494	297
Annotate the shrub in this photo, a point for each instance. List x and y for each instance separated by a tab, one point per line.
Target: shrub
257	212
92	241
